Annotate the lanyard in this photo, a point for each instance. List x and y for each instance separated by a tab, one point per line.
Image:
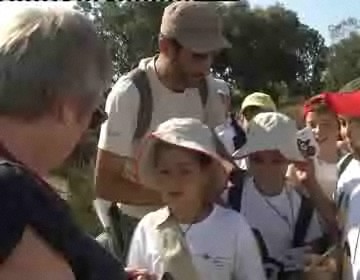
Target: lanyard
289	221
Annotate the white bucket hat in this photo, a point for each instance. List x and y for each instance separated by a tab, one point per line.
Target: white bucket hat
271	131
187	133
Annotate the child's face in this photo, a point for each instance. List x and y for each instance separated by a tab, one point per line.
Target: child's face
324	126
249	113
351	130
181	179
268	168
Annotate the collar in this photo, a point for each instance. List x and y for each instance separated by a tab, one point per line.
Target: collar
161	216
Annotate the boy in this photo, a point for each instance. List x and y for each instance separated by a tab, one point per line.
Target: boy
253	104
283	222
192	237
324	124
348	196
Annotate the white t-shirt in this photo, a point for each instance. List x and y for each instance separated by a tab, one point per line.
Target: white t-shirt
226	134
326	175
122	106
274	218
222	247
348	198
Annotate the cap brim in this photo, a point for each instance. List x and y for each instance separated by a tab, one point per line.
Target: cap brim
205	44
260	105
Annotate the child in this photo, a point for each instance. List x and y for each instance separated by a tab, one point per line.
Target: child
192	237
325	126
283	221
253	104
348	196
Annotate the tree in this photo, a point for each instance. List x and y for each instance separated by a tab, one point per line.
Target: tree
344	28
343	62
271	47
130	28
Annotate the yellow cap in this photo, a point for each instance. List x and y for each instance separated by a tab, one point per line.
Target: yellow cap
258	99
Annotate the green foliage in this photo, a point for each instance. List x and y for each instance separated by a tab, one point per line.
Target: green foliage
352	85
343	62
270	46
81	195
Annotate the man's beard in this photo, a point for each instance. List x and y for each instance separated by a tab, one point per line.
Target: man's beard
183	78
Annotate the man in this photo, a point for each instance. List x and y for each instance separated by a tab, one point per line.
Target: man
190	36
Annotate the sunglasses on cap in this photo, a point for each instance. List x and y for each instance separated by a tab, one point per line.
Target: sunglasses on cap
97	118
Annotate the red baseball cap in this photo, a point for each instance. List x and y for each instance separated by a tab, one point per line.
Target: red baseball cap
344	103
307	108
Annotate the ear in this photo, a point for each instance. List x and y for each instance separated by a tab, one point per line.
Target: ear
164	45
64	112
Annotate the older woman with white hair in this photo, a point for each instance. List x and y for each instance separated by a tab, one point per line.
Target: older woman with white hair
53	69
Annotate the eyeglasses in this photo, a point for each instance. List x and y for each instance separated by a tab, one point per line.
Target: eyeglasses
97	118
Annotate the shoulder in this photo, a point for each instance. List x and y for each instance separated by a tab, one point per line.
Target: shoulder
12	179
232	220
15	193
124	90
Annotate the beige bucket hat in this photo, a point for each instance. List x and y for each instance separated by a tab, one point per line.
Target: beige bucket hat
195	25
188	133
271	131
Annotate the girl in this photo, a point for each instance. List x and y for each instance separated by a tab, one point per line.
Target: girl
274	211
192	237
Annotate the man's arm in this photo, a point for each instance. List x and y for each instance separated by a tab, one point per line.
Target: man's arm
111	185
115	147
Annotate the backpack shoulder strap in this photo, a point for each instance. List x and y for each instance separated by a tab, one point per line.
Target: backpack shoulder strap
240	136
344	163
141	81
203	91
303	221
236	190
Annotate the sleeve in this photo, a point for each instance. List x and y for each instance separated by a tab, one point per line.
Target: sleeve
137	251
352	228
248	264
13	214
215	108
122	108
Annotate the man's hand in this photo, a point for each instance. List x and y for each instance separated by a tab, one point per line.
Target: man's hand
139	274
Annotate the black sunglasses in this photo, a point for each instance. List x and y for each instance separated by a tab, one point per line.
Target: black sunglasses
97	118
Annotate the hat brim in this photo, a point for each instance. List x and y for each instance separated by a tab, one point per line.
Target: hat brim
145	168
204	44
258	104
251	147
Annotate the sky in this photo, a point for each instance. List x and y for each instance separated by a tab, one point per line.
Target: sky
318	14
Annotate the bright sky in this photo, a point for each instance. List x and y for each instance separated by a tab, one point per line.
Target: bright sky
318	14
